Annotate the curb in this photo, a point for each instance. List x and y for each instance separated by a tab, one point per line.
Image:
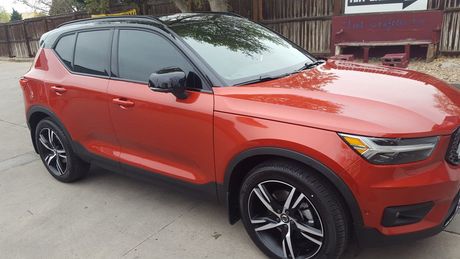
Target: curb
16	59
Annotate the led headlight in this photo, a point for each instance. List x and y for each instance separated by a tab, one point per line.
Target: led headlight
388	151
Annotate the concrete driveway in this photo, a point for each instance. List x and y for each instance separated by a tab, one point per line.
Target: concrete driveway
111	216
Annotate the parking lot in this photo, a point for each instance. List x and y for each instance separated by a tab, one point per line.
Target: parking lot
112	216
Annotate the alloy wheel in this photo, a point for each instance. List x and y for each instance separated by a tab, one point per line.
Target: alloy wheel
285	220
53	151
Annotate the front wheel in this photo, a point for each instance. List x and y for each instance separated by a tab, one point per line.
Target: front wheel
290	212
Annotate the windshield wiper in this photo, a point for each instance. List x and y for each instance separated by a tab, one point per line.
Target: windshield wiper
312	64
269	78
262	79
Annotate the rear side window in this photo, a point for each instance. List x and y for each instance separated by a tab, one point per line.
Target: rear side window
142	53
92	52
64	49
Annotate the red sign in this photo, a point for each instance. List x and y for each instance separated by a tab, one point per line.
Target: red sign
416	26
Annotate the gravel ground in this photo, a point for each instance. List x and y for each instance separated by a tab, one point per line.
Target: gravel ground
446	68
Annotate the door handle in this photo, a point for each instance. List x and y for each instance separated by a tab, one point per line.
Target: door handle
123	102
59	90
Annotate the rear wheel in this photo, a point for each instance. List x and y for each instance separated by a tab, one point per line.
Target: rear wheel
290	212
56	153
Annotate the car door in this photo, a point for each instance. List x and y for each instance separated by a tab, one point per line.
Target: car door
157	132
77	88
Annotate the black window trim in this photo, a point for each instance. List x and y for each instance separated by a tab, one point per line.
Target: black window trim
113	52
207	85
109	50
76	32
73	49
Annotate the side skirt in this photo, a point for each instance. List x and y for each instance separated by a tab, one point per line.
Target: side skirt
202	191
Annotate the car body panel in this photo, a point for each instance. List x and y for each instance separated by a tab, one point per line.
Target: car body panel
83	95
351	98
374	187
163	134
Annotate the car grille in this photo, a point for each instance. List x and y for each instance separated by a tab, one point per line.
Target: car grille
453	155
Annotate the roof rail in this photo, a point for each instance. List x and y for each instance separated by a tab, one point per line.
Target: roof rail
149	17
118	17
206	12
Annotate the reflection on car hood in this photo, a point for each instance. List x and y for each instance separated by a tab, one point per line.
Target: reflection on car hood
352	98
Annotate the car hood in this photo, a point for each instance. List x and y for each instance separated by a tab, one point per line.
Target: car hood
351	98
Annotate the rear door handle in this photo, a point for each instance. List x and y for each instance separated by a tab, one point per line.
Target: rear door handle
59	90
123	102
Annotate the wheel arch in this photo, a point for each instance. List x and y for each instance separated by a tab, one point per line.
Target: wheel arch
241	164
37	113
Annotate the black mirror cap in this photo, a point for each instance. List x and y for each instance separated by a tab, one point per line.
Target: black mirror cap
169	80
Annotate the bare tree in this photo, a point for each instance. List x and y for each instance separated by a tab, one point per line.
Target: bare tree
54	7
183	5
215	5
37	5
218	5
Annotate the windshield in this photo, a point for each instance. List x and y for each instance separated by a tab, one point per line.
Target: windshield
236	48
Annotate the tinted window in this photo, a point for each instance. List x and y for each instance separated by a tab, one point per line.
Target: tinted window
142	53
236	48
64	48
92	52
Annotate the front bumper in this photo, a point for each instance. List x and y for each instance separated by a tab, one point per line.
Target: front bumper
433	181
369	237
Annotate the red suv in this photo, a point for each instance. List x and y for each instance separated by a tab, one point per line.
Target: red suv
309	154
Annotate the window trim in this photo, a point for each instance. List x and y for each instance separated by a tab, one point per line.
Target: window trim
73	48
185	50
109	50
76	32
207	86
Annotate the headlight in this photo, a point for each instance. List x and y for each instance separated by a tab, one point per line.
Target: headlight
388	151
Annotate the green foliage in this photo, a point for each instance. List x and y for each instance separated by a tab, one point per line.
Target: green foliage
15	16
4	15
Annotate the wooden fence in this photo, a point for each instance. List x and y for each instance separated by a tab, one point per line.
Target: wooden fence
20	39
450	32
306	22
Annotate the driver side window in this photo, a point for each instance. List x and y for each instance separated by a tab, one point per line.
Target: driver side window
141	53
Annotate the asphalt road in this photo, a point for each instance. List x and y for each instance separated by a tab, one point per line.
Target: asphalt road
112	216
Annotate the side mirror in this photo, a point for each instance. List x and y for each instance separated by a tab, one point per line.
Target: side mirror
169	80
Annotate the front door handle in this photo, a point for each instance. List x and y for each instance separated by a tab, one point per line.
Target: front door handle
59	90
123	102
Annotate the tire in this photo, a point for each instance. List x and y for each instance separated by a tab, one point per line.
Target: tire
57	155
291	212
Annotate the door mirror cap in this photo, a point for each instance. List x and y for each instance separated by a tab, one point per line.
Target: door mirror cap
169	80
